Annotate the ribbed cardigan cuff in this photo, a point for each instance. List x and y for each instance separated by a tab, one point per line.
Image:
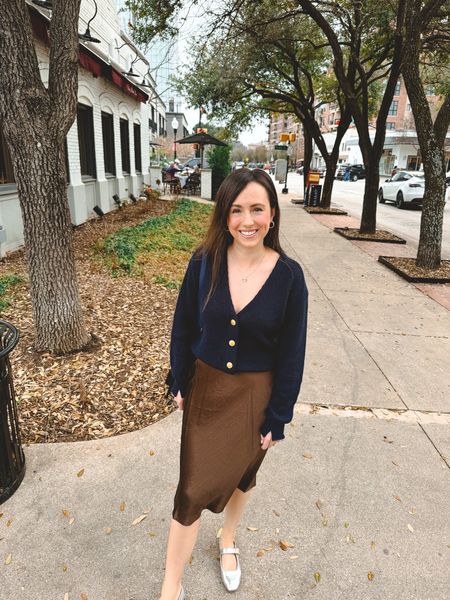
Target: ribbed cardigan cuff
275	426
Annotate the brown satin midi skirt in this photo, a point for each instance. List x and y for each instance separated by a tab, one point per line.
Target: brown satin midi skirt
220	438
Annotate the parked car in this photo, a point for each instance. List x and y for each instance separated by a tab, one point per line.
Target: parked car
406	187
190	164
356	172
251	165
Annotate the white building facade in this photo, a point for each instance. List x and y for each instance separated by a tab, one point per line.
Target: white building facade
108	145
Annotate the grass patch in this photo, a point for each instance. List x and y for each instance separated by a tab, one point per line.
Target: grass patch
6	282
158	248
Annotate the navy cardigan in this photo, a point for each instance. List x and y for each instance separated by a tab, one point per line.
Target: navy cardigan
268	334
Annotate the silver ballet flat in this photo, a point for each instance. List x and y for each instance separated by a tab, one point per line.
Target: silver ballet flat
182	594
231	579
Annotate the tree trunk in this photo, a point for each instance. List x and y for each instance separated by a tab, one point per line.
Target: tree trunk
328	183
35	121
369	210
308	157
41	181
430	241
431	138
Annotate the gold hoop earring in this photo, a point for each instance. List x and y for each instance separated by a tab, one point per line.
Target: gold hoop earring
272	224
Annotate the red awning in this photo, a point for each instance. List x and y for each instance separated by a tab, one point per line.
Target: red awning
127	86
90	63
89	60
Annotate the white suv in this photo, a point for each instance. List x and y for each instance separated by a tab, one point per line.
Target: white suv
405	187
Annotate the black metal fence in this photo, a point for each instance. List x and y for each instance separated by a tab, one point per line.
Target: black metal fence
12	458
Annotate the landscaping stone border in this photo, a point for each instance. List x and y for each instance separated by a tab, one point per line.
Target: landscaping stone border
347	232
317	210
386	260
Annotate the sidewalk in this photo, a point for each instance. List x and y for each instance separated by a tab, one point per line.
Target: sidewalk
355	491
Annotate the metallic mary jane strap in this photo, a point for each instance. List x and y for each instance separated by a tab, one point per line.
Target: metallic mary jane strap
229	551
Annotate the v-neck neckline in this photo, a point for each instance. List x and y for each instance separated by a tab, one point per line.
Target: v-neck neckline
227	281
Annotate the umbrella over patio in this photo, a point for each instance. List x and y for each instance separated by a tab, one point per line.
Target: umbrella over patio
202	139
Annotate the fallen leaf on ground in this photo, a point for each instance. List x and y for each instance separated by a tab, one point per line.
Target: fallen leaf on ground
349	539
410	527
8	559
317	577
346	524
66	513
398	498
284	545
80	473
412	511
122	506
372	545
219	533
293	557
260	553
370	575
139	519
64	568
277	514
9	523
307	455
83	596
252	528
66	596
108	530
319	503
152	453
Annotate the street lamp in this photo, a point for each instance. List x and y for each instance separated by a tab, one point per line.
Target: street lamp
175	129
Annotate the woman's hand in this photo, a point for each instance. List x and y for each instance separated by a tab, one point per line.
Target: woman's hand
267	442
179	401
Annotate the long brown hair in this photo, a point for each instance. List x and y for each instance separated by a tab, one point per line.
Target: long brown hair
218	238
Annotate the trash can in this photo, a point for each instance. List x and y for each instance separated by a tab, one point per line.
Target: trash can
12	458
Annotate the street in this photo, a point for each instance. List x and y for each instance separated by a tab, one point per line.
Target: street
405	222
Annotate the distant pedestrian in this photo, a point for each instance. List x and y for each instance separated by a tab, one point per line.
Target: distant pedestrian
237	354
394	171
347	174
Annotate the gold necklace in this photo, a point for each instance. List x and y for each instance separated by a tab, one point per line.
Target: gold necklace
245	278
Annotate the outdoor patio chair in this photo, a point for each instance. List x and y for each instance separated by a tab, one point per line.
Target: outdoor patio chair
171	182
193	184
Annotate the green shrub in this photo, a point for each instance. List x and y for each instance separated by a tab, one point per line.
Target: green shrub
6	282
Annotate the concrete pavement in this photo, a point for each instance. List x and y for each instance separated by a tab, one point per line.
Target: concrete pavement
360	486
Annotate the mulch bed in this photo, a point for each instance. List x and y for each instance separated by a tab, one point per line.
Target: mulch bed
318	210
407	268
379	236
117	386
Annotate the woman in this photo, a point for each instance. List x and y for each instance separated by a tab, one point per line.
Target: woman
237	354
